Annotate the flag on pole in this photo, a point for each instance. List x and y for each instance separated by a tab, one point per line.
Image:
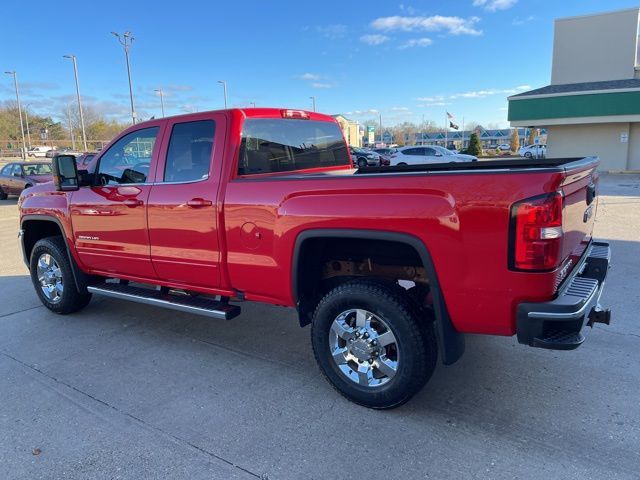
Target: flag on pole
451	120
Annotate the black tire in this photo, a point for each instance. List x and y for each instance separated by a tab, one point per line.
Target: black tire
362	162
401	163
70	300
528	155
417	349
3	196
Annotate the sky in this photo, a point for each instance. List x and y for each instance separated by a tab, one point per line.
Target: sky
402	61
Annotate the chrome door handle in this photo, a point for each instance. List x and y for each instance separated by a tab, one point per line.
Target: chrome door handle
199	203
132	202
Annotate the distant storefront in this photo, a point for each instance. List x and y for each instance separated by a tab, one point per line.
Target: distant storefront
592	106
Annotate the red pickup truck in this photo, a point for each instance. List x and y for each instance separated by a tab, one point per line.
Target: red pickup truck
389	265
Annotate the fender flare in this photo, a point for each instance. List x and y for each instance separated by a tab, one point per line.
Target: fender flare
451	343
80	278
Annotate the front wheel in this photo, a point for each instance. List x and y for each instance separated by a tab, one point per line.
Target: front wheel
372	345
362	163
52	277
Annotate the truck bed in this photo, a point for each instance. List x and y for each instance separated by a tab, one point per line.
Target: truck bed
557	164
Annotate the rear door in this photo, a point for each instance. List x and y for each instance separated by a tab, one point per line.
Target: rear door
183	204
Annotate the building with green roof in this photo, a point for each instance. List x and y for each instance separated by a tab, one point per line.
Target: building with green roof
592	106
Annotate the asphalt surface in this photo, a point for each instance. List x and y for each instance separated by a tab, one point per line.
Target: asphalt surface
126	391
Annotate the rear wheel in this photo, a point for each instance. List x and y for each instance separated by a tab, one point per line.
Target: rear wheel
362	162
528	155
52	277
401	163
371	344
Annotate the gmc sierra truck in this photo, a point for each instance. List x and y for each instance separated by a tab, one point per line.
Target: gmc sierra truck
391	266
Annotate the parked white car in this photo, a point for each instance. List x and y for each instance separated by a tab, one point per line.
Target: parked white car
421	154
533	151
504	147
38	151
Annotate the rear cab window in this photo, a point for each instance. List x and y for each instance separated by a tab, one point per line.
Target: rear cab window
271	145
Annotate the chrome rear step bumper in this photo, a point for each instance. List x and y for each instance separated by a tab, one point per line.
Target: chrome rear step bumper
558	324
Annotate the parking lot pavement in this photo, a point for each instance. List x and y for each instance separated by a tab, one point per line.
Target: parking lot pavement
126	391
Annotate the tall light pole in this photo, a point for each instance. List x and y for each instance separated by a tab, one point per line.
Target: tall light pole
253	104
26	121
73	138
313	103
224	86
126	39
15	82
75	72
159	90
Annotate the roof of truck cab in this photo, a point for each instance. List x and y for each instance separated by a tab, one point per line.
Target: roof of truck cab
258	112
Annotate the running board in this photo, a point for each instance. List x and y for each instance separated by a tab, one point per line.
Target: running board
184	303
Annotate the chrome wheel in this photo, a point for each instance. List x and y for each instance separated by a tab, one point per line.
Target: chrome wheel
364	348
50	278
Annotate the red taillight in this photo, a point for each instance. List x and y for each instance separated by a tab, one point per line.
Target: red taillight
536	233
301	114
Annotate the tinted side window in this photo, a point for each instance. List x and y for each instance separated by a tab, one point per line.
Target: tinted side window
128	160
414	151
189	153
280	145
7	170
17	170
430	152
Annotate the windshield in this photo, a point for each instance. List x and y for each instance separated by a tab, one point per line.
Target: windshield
280	145
37	169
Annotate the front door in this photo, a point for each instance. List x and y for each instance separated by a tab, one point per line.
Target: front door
183	209
110	219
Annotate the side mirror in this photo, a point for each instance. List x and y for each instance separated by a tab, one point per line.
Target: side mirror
65	173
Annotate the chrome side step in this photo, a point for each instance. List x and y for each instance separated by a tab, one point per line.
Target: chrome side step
184	303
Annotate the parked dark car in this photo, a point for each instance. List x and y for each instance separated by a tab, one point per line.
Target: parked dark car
385	154
365	158
16	176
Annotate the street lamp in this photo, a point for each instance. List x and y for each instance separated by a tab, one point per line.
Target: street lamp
253	104
73	138
159	90
15	82
26	121
126	40
224	86
313	102
75	72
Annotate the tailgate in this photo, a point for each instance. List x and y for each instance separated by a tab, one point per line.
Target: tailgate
580	202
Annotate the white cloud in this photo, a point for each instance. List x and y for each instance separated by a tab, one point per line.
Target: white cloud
374	39
309	76
360	113
493	5
521	21
489	92
434	104
435	23
399	109
437	98
321	85
334	31
416	42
